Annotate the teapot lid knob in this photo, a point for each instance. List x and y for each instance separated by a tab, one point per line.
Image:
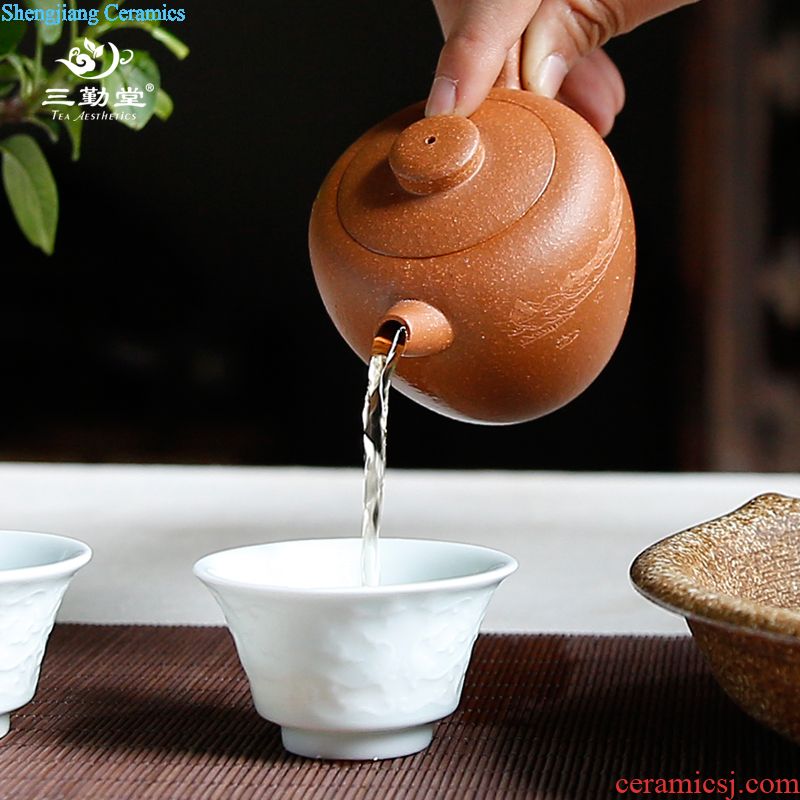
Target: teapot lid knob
419	188
436	154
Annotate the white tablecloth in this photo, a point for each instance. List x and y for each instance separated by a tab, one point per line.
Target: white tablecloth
573	534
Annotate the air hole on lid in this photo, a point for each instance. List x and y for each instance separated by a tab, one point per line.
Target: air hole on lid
430	140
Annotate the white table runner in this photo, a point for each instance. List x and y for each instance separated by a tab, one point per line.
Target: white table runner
573	534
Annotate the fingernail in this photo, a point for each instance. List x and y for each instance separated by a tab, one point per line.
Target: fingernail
442	99
550	76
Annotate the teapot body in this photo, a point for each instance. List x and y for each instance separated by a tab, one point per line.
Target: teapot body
535	305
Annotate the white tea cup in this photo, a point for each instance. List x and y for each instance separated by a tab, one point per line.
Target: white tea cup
35	570
349	671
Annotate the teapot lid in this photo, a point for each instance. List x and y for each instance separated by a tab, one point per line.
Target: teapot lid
418	188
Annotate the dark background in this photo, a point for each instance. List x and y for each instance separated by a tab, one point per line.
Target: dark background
179	321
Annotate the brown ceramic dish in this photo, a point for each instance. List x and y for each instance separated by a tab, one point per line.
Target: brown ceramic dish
736	579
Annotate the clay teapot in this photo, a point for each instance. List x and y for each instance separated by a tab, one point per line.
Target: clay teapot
503	243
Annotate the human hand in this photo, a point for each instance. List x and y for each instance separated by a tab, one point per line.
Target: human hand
550	47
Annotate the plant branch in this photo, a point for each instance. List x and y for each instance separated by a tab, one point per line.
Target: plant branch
104	5
12	111
37	59
73	25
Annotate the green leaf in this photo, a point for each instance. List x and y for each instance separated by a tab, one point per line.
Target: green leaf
141	75
11	34
177	47
50	33
18	64
74	128
31	190
164	106
8	78
47	125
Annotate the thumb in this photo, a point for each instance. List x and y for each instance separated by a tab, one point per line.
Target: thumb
476	48
562	32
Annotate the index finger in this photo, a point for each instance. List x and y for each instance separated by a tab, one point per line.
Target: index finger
475	51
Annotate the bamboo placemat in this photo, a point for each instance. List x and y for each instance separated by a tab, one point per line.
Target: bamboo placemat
154	712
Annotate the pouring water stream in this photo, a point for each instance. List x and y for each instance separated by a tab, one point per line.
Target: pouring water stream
386	351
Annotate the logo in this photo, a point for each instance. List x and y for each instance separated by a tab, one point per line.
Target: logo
82	63
113	99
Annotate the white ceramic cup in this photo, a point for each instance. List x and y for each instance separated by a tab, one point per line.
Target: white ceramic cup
349	671
35	570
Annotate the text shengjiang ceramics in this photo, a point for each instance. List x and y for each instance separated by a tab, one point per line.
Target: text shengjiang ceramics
503	242
35	571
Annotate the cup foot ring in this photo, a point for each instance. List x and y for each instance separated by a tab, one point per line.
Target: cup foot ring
357	745
5	724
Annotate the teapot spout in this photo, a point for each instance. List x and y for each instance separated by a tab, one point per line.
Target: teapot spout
427	330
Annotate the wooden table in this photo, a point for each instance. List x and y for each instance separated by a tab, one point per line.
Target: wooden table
157	713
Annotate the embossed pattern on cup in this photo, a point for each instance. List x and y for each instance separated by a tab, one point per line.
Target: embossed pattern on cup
35	571
351	671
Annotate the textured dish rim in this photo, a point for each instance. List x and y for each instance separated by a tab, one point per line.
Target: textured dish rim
657	574
472	581
53	569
